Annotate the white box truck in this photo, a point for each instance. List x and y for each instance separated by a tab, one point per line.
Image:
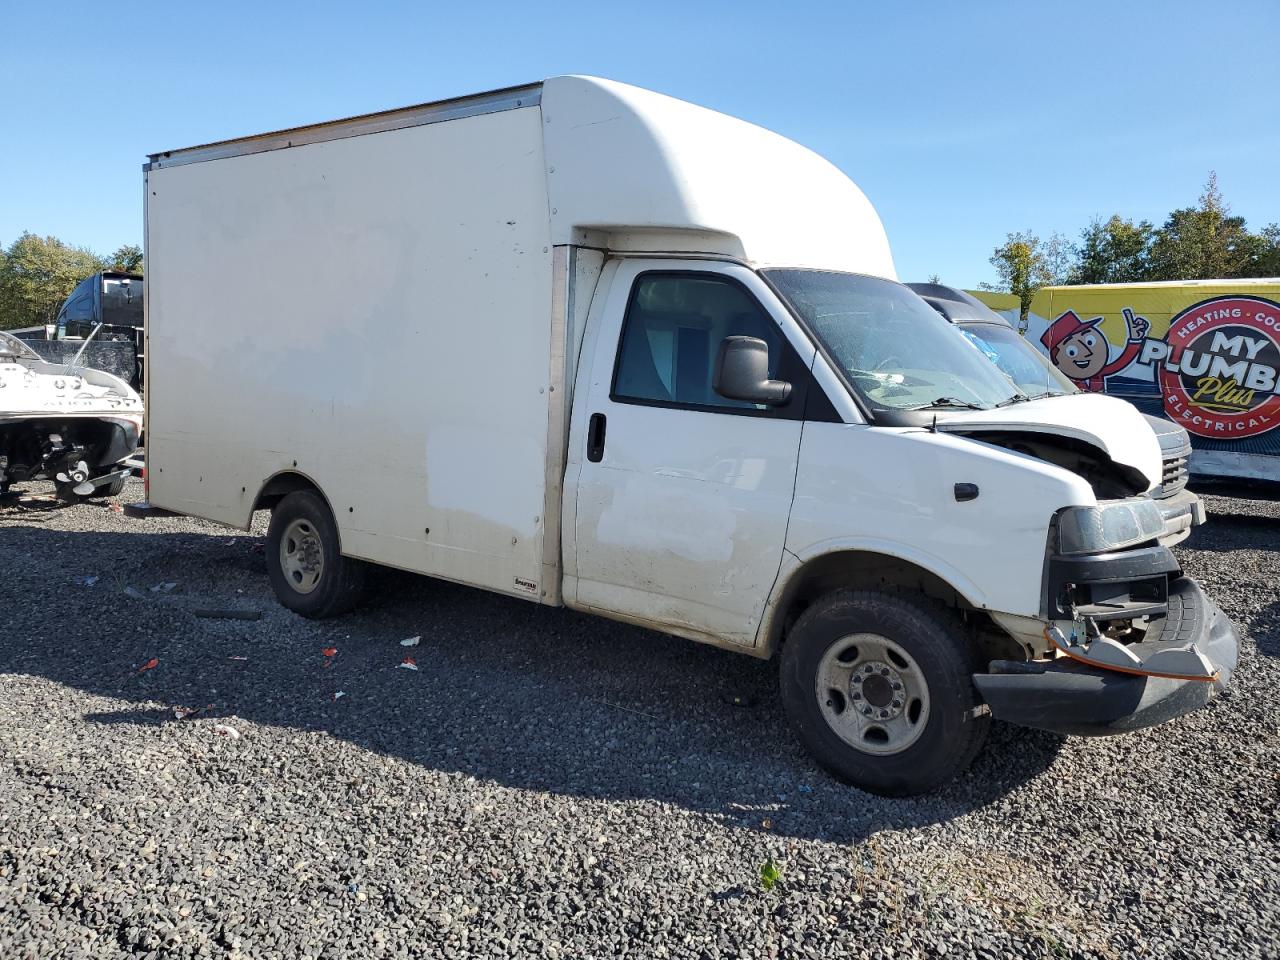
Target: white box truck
591	346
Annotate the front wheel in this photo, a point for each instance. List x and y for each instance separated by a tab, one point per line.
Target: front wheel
878	687
307	569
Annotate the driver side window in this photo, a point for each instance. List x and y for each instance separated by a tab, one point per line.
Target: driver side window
671	337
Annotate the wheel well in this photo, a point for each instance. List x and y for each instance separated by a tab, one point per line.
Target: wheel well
858	570
280	486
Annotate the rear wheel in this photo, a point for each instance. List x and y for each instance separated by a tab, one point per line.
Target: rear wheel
878	687
307	569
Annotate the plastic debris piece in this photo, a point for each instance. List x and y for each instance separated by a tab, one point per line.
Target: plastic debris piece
767	823
330	651
222	730
116	508
164	587
88	581
411	642
228	614
135	593
339	694
149	665
408	663
181	713
242	659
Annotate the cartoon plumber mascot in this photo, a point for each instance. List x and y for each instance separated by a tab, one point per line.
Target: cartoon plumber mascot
1078	348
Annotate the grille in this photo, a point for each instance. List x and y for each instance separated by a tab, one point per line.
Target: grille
1173	478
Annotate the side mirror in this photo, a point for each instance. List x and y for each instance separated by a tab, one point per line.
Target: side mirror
742	372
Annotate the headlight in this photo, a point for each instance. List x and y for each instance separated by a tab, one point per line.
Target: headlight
1108	526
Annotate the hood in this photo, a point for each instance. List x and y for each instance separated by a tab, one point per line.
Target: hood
1113	426
1174	440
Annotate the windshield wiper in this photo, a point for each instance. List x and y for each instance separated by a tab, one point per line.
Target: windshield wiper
950	402
1025	398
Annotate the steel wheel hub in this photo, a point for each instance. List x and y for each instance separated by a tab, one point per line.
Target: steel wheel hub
302	555
872	694
876	690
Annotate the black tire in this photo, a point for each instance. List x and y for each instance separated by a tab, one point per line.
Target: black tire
112	489
340	584
949	735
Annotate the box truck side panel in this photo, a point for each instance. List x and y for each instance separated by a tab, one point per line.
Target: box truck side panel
373	313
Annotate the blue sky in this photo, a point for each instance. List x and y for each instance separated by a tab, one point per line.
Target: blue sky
961	121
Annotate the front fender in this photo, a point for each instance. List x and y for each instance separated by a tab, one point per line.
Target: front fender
893	491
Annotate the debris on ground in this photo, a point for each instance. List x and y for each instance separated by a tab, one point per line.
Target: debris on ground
88	581
231	614
241	659
182	713
411	642
149	665
339	694
408	663
165	587
223	730
135	593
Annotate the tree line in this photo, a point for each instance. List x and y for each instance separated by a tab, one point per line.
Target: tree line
37	274
1203	242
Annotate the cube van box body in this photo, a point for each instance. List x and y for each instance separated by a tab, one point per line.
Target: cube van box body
590	346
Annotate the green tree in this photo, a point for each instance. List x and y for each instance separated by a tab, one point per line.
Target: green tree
1202	242
36	274
127	259
1115	251
1025	263
1267	258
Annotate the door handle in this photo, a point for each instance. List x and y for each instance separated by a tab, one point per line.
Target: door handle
595	438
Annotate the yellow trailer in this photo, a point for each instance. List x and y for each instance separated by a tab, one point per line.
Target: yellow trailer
1203	353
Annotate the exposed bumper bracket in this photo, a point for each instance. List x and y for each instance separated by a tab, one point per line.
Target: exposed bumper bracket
1068	696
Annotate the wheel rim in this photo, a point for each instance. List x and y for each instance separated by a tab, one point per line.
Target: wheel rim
301	555
872	694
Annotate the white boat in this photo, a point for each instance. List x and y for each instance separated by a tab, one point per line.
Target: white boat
64	422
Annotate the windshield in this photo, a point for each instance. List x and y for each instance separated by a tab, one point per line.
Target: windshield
1018	360
12	345
896	350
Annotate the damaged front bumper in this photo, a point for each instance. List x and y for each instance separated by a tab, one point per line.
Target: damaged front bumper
1067	696
1180	512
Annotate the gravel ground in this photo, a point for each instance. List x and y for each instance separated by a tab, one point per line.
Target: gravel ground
547	784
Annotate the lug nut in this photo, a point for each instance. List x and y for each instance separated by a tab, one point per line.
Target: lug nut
884	671
883	714
855	696
866	711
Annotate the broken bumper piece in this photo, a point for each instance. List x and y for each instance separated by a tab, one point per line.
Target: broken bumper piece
1070	697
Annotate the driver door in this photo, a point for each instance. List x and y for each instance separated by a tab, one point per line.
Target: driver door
682	495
